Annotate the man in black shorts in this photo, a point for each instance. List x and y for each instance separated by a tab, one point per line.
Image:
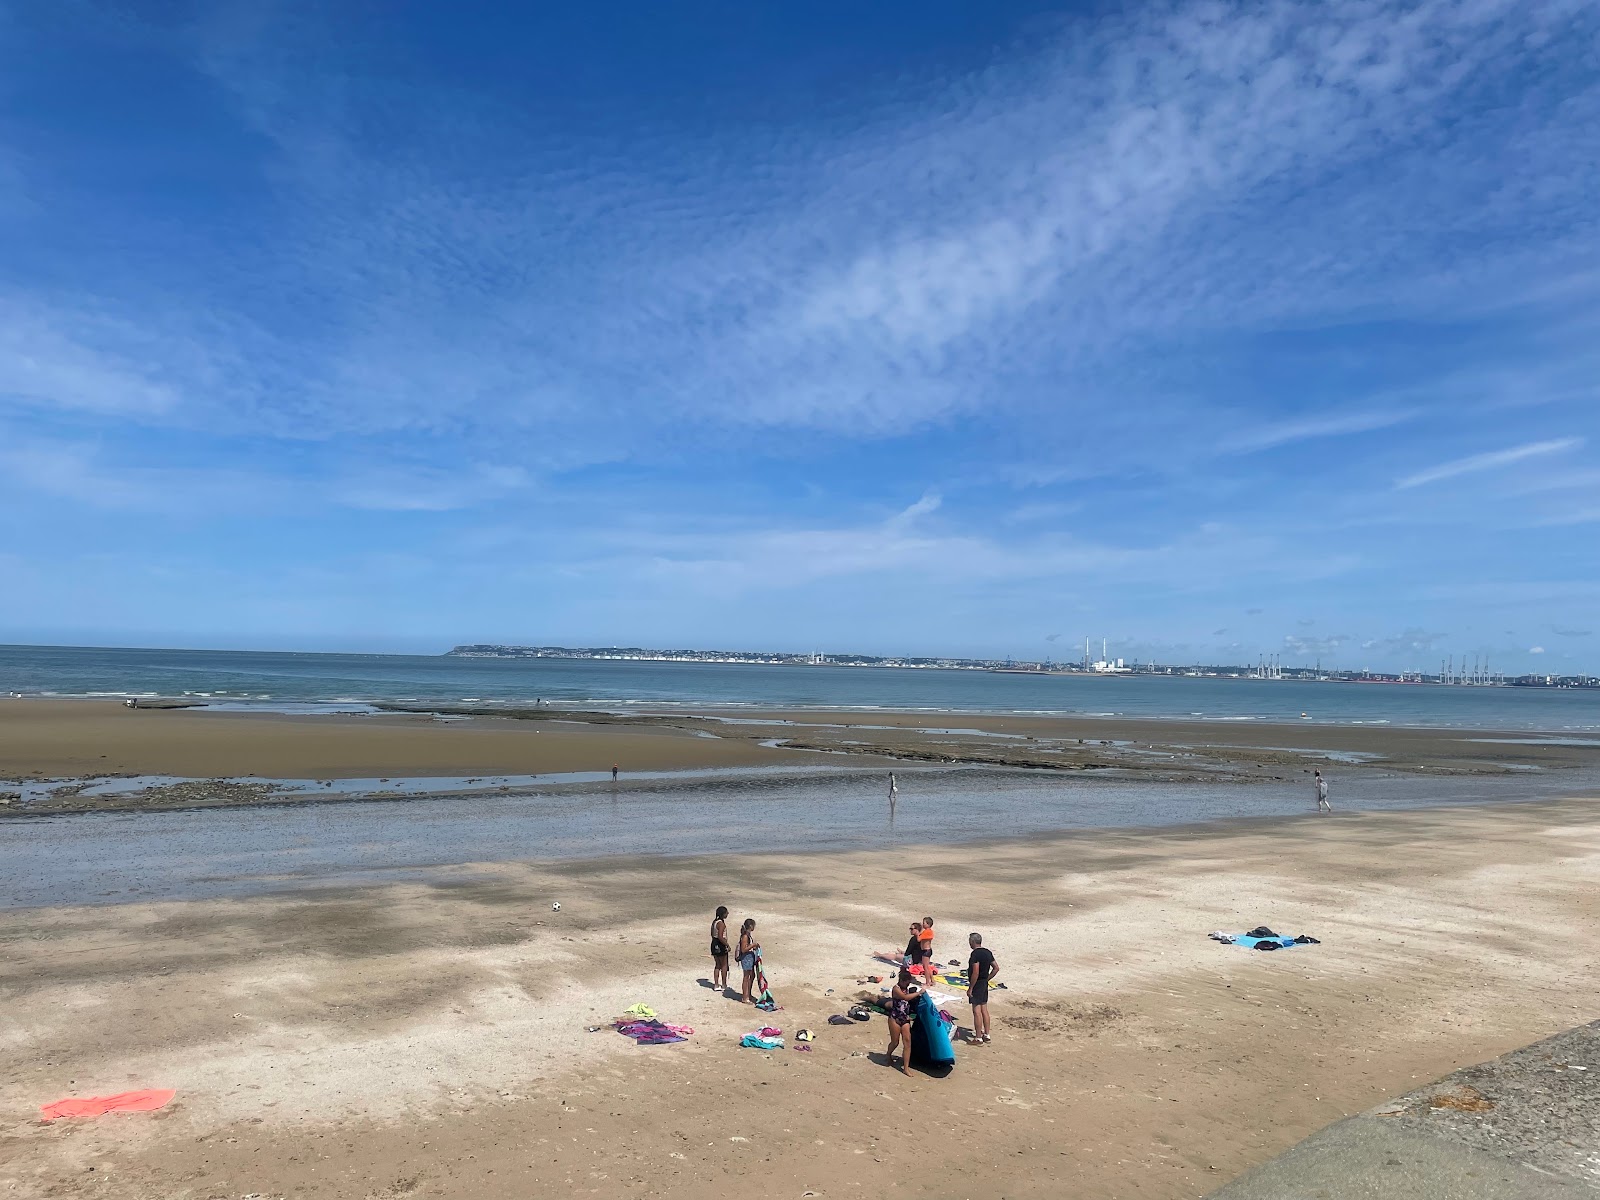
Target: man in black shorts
981	968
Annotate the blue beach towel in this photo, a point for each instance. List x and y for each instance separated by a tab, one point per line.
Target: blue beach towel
1250	943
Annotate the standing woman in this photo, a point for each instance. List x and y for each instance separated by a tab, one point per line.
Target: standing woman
719	949
899	1015
748	947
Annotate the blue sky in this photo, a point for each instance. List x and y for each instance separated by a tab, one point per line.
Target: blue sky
1215	329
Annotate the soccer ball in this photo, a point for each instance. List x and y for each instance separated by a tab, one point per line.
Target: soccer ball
556	907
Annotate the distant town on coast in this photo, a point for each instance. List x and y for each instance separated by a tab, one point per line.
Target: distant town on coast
1477	674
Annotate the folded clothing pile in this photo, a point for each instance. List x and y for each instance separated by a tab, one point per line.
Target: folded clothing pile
761	1041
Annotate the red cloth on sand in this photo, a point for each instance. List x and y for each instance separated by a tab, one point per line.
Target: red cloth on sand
144	1100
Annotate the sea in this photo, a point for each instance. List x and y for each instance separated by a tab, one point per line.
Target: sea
311	682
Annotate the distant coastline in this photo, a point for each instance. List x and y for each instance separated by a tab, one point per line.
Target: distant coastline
770	658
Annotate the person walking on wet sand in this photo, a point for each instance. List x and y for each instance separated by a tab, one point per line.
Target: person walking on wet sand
613	772
748	949
719	950
981	968
1322	792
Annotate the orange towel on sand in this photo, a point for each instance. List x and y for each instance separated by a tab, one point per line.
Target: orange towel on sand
145	1100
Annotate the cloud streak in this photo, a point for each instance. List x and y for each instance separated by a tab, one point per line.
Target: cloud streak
1492	460
1284	433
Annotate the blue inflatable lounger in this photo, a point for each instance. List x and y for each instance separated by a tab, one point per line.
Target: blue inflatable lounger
930	1039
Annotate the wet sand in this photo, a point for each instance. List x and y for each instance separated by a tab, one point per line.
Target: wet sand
45	738
89	739
429	1039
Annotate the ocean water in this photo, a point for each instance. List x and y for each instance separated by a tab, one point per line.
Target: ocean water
325	682
286	848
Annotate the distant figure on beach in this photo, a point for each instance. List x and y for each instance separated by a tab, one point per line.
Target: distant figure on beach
1322	792
747	956
925	949
613	772
719	949
894	792
899	1014
981	968
913	954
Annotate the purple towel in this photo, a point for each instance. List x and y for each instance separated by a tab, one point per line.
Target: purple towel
649	1033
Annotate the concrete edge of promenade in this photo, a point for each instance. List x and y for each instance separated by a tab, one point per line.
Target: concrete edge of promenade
1525	1126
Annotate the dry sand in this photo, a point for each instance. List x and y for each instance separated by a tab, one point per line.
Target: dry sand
430	1041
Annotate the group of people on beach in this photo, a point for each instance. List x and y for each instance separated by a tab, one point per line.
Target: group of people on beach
748	949
918	961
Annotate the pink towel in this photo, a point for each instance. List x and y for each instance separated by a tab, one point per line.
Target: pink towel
145	1100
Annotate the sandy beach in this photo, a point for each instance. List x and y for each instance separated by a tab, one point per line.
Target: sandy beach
431	1040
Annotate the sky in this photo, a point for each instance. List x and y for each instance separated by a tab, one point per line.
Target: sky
1213	329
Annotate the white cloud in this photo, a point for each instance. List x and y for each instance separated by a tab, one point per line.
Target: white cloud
80	361
1535	649
1042	511
84	474
1576	516
1140	178
778	558
930	502
1488	461
1410	642
1307	647
1283	433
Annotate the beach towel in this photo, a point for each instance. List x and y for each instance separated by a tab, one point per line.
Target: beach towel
643	1011
1278	941
755	1041
764	1000
653	1033
144	1100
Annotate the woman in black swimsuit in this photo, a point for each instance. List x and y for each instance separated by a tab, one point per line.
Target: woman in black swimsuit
719	949
900	1020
